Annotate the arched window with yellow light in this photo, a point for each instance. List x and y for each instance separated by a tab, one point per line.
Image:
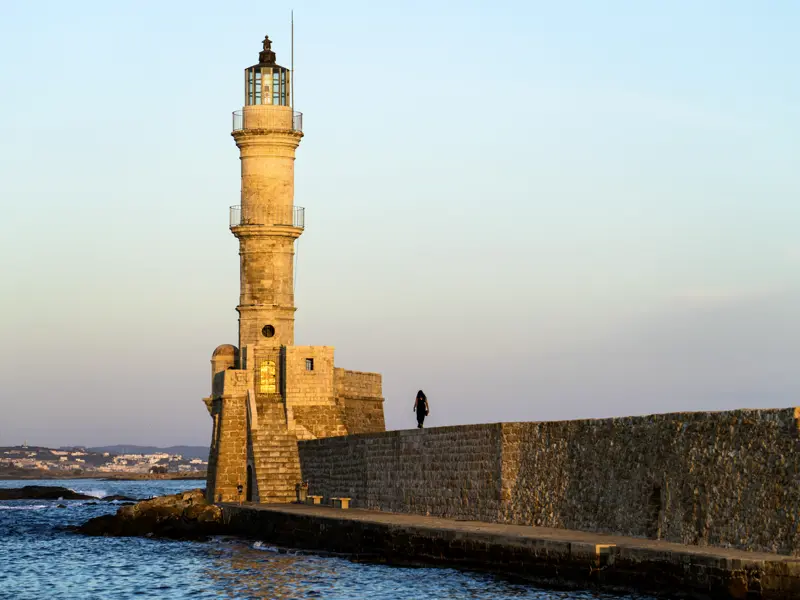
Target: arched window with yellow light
267	377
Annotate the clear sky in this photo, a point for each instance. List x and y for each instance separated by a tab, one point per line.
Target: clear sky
531	210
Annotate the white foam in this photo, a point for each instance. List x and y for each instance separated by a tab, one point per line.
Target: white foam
93	492
31	507
265	548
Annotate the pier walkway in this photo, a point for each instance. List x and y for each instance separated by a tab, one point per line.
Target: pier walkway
552	557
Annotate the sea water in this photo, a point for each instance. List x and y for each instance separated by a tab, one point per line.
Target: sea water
40	560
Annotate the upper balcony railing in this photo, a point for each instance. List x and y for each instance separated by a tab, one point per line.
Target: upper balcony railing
266	121
268	216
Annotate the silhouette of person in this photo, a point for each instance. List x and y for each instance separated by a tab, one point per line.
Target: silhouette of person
421	408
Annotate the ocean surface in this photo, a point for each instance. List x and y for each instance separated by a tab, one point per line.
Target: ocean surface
39	560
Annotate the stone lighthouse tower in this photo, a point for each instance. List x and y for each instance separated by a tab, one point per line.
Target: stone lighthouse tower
267	223
267	393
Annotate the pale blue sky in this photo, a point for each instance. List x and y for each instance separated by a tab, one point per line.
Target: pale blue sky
531	210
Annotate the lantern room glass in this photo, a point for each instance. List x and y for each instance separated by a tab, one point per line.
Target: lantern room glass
266	85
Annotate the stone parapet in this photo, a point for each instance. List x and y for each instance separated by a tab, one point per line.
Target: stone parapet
267	117
237	381
358	384
360	397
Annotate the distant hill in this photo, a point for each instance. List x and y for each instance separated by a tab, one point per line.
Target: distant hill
185	451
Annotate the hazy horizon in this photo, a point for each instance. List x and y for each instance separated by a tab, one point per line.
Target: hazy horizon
531	211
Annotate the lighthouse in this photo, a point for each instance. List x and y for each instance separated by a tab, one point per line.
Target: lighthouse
266	392
267	132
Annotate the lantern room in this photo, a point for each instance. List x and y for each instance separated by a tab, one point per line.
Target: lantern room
267	82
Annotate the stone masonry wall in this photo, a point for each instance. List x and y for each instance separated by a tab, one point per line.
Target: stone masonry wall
213	450
408	471
311	407
228	456
266	245
231	461
728	478
360	397
725	479
358	384
363	415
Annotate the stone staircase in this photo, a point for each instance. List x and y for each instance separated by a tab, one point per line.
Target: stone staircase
275	454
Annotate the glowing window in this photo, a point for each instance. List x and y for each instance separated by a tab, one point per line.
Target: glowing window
266	379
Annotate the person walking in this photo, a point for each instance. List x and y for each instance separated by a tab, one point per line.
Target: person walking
421	408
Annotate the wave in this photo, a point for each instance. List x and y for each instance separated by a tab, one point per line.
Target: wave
276	550
30	507
264	547
95	493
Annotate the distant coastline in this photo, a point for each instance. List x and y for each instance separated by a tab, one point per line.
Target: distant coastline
13	473
122	462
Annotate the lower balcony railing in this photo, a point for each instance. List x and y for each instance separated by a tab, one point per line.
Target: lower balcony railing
267	121
267	215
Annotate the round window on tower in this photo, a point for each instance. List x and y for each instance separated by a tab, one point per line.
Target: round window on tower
268	331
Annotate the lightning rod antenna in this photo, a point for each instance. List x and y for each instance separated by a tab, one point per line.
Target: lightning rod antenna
291	93
292	81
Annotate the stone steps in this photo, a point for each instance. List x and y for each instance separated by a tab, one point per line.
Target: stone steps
275	455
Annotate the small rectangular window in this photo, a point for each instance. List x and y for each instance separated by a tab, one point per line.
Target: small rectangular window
309	364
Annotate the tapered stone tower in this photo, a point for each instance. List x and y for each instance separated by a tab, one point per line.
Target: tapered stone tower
268	393
267	223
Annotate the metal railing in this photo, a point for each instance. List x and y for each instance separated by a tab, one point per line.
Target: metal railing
263	122
268	216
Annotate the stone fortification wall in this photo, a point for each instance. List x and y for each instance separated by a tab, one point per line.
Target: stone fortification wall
407	471
228	452
357	384
360	397
726	479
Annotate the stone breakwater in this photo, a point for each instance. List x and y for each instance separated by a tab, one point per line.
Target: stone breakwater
549	557
728	479
544	556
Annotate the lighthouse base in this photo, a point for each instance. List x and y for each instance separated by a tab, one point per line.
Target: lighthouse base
275	397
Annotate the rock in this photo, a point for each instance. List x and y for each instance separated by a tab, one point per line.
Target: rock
119	498
41	492
61	506
185	516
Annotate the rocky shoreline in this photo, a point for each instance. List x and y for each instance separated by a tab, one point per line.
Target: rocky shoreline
184	516
46	492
